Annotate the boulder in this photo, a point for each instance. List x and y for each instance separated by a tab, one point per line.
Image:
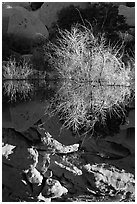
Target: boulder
128	13
53	189
22	22
22	28
49	10
26	5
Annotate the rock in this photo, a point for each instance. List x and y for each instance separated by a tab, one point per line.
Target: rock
12	178
130	120
7	150
107	175
49	10
53	189
31	134
23	23
34	176
43	162
128	13
54	127
21	28
42	198
26	5
111	150
9	136
23	158
69	164
48	143
69	167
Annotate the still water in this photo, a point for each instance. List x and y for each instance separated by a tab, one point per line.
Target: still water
24	108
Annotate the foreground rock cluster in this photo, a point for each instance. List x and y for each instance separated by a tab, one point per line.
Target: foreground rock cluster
37	167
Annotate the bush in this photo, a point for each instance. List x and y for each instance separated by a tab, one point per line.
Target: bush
17	90
95	81
14	70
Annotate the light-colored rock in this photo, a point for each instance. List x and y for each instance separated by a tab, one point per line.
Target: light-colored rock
48	11
53	189
128	13
14	4
69	167
21	22
68	164
48	143
107	175
7	149
42	198
34	176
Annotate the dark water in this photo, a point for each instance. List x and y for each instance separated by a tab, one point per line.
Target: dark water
24	108
24	101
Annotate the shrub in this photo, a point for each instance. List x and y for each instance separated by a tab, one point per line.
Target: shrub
17	89
95	81
14	70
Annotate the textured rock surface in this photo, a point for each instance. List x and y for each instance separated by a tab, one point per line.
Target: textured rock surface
23	23
21	28
111	180
40	168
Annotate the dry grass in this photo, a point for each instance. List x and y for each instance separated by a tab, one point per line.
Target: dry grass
95	81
